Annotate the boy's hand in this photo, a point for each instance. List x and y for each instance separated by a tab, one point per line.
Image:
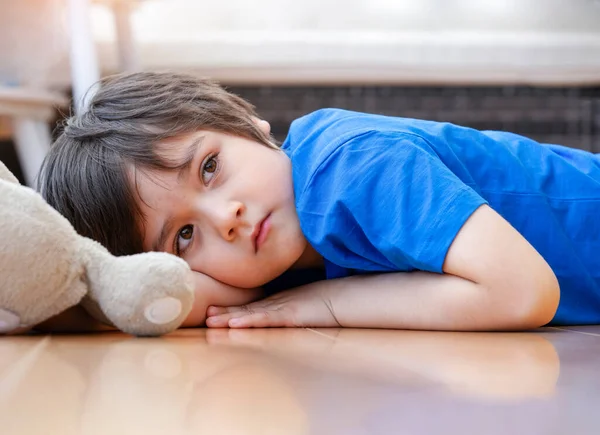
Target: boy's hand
209	291
291	308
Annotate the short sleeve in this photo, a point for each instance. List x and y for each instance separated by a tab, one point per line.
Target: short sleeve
385	202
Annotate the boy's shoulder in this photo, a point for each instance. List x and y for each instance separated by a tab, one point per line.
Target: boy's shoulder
328	128
315	137
340	125
318	134
324	125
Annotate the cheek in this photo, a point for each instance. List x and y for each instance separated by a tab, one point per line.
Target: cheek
271	170
240	276
226	264
241	273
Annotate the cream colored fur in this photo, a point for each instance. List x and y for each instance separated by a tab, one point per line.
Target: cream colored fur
46	267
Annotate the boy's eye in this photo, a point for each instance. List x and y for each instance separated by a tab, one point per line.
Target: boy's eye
183	239
209	169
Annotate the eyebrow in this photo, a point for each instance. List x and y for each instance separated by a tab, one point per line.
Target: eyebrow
182	169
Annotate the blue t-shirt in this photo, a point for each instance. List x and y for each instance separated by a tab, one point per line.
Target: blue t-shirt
386	194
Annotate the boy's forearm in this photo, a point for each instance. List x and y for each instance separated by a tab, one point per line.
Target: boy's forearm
416	300
420	300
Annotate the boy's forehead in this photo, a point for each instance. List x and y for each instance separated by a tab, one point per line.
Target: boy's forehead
180	146
151	185
174	157
154	193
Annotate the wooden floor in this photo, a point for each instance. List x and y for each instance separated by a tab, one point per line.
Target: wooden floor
303	381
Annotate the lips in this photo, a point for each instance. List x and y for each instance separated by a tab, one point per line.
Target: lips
261	231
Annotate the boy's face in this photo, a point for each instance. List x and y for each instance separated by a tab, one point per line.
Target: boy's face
230	214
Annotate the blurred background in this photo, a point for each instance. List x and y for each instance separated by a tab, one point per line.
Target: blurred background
527	66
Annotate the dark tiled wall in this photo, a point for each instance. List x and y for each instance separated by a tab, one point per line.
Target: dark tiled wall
567	116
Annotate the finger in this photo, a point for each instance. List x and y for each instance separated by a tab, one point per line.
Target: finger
222	320
261	319
214	310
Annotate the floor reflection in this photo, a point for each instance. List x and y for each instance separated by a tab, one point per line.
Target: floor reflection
291	381
499	365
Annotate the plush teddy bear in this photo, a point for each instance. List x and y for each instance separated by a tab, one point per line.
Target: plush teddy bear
46	267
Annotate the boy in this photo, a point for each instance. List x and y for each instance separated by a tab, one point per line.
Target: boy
415	224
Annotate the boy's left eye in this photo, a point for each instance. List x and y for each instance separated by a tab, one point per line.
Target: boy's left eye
209	169
184	237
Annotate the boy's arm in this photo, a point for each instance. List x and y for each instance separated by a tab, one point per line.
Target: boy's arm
494	280
207	291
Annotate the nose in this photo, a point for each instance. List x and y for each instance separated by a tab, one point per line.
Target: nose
228	219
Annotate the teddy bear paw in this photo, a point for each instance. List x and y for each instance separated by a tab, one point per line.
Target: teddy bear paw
163	311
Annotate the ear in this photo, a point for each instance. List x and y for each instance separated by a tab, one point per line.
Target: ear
6	175
263	125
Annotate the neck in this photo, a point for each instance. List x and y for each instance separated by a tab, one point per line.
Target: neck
309	259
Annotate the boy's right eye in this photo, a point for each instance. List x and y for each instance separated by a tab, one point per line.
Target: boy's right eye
184	237
210	167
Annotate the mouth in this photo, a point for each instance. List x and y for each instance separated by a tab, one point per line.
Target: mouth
261	231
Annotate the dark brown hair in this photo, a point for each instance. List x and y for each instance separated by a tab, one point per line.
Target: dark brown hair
84	176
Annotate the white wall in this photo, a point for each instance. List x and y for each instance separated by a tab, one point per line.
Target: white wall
397	41
489	41
33	41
